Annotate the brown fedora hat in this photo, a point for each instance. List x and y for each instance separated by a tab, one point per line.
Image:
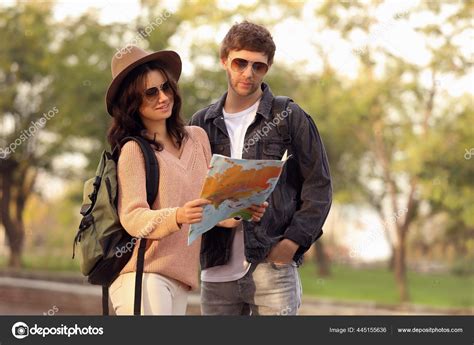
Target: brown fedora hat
126	59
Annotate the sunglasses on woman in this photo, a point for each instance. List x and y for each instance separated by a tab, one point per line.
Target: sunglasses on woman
153	93
239	65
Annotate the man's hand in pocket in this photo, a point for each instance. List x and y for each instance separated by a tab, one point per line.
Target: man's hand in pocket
283	252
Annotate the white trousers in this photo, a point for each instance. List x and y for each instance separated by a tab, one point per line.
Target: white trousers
160	295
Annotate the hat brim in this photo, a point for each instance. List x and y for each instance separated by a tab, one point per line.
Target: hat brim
167	59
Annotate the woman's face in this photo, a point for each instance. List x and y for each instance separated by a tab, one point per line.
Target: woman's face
157	97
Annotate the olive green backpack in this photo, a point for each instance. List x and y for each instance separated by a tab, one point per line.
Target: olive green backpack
101	237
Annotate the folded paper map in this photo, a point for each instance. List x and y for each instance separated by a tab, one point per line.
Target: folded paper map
233	185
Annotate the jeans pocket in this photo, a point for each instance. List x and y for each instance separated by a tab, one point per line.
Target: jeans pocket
278	266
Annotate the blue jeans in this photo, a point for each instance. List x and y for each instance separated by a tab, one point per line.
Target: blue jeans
266	289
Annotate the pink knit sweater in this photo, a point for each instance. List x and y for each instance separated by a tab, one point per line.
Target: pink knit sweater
181	180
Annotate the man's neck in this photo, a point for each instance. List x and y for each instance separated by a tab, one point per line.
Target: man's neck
235	103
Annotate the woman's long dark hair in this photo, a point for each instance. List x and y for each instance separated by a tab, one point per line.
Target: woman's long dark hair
126	109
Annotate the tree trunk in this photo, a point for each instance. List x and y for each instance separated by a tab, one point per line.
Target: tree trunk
400	269
321	260
10	220
14	261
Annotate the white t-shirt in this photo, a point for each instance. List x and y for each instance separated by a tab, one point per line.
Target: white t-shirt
237	125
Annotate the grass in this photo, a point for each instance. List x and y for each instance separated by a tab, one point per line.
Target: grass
47	263
378	285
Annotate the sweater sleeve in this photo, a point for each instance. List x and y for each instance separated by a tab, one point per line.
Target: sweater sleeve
134	212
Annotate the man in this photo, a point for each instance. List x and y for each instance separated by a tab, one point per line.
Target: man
252	269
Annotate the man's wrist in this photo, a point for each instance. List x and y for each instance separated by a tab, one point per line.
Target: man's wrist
290	245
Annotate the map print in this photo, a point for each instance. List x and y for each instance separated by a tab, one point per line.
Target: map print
233	185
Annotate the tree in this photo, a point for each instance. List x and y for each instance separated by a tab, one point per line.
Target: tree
54	77
393	117
52	105
24	76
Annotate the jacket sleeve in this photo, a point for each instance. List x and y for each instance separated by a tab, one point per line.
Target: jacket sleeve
134	212
316	193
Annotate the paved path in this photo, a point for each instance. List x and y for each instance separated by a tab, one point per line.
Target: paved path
24	296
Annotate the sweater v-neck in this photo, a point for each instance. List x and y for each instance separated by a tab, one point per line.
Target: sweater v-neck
185	156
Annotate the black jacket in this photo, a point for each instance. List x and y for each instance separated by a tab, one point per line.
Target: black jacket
300	203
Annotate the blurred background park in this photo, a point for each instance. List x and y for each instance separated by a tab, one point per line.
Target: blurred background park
388	83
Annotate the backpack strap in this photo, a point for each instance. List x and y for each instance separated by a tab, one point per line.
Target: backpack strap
152	183
279	106
151	168
105	300
139	277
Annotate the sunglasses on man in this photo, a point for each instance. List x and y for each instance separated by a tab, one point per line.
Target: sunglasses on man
239	65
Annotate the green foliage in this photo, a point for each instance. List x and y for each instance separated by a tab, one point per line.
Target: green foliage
424	132
394	127
378	285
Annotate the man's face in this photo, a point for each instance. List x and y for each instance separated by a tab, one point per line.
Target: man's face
245	81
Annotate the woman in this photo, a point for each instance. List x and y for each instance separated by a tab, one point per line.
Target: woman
144	99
